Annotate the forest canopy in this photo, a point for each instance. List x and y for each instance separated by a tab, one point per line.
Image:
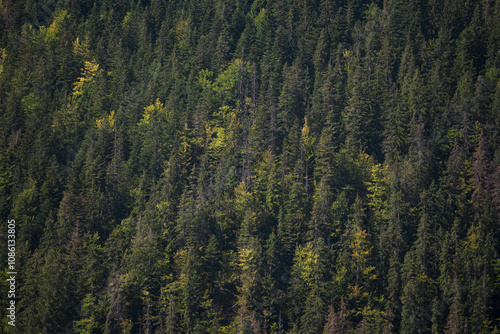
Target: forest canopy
236	166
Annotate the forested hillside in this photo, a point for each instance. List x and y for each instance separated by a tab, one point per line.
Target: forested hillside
238	166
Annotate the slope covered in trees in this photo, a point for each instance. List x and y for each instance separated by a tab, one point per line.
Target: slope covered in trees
288	166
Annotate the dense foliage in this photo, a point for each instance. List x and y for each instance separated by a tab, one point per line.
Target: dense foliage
218	166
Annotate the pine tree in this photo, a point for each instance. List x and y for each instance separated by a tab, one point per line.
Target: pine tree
292	102
337	323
